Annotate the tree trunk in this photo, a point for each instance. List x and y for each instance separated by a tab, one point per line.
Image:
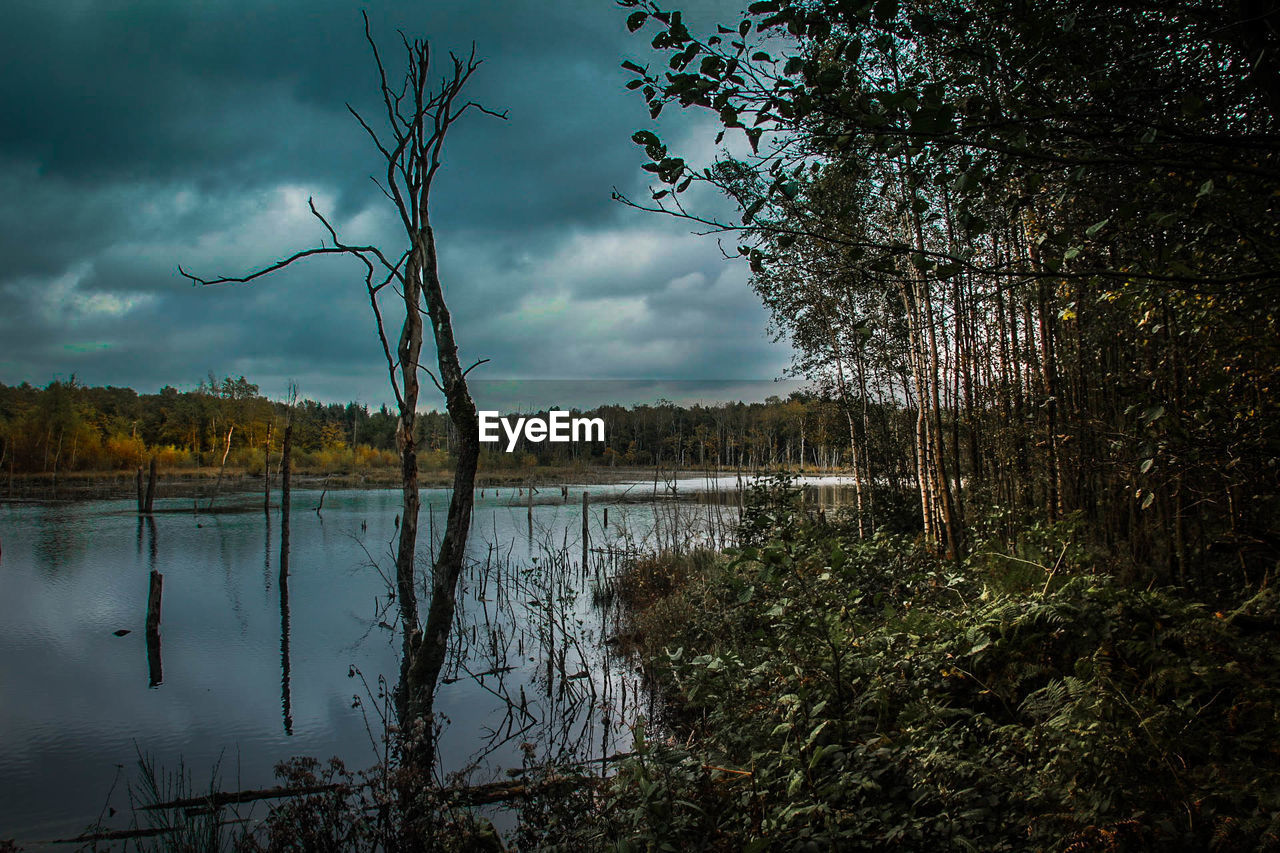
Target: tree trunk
429	652
151	487
217	486
286	450
266	471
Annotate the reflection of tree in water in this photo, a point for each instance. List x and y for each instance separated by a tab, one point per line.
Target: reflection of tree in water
530	637
286	696
534	687
286	700
62	539
155	666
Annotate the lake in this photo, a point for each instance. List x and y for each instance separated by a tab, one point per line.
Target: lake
247	677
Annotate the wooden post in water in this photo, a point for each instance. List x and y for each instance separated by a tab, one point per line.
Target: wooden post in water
153	601
531	503
586	539
155	664
154	667
141	498
606	516
151	486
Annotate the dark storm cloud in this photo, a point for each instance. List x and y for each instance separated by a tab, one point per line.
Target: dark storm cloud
134	137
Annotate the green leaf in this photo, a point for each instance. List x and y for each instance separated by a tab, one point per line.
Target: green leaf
1096	227
822	752
797	780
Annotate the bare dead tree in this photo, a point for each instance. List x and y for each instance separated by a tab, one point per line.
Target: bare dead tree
418	116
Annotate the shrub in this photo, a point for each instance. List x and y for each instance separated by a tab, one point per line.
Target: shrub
830	693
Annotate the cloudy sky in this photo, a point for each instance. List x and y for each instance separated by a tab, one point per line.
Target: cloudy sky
137	136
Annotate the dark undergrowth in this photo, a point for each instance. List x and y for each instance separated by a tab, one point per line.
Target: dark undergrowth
829	693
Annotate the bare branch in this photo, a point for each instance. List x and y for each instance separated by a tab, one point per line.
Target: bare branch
383	189
474	366
276	267
434	380
478	106
369	130
373	289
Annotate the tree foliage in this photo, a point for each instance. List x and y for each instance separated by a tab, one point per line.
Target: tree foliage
1046	230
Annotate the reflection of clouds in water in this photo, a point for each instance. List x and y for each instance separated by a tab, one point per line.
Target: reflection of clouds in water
75	697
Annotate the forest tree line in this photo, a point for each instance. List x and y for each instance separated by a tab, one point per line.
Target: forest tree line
67	426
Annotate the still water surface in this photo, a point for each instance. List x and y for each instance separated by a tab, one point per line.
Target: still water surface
247	682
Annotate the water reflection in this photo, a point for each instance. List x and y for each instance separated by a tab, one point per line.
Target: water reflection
155	666
266	553
286	694
272	681
61	542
